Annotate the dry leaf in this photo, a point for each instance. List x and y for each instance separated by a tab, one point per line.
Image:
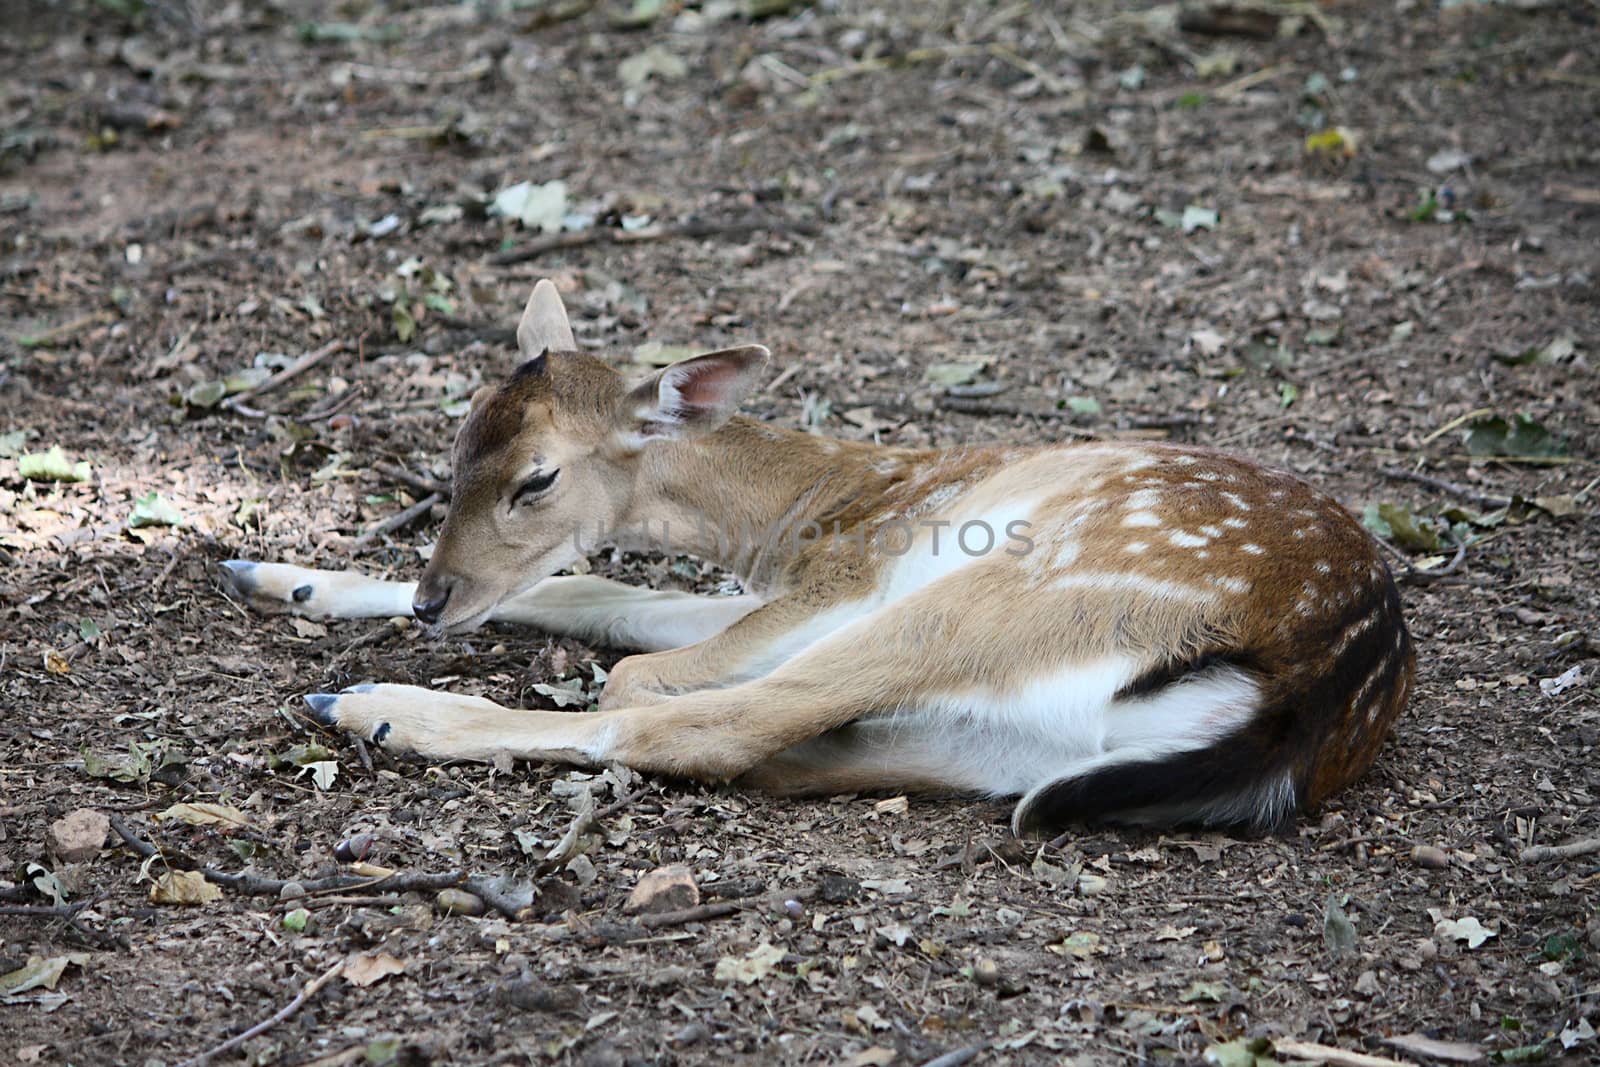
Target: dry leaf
1466	928
221	816
39	971
751	968
369	967
1432	1048
183	887
1174	933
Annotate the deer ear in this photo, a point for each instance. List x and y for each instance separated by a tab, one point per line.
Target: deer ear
690	398
544	326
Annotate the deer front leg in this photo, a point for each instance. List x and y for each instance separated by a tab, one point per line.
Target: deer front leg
275	588
711	736
589	608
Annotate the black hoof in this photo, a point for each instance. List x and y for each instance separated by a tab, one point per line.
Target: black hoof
380	733
321	705
238	573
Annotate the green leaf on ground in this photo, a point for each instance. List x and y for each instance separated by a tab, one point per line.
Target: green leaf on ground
961	373
52	466
1520	435
153	509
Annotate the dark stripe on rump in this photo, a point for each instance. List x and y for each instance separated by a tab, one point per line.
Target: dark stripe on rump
1180	786
1175	670
1288	735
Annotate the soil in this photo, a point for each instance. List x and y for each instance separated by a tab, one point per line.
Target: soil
186	188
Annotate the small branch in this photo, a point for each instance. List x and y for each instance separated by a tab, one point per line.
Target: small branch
688	915
1542	853
400	520
1329	1054
255	885
418	482
310	990
960	1056
570	842
293	370
605	235
486	890
1412	573
1477	496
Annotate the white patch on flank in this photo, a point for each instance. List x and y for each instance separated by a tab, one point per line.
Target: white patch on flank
1236	500
1207	476
1136	547
1140	518
1004	743
1113	582
1233	585
1184	461
1183	717
1211	531
1299	535
1323	568
1233	522
1353	631
1066	553
1187	540
1144	498
1202	554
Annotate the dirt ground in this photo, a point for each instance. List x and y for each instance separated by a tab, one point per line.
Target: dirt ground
190	190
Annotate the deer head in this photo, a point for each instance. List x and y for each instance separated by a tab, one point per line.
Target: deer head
552	455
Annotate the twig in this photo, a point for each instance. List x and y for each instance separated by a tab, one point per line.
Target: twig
328	411
487	891
298	367
310	990
1477	496
1413	573
1541	853
568	846
400	520
69	913
688	915
603	235
255	885
416	481
970	406
1337	1057
957	1057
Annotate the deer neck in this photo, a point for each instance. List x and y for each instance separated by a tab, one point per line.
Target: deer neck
751	497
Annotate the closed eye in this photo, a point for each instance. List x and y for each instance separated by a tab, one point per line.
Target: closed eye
535	485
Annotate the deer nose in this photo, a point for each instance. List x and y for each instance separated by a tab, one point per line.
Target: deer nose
428	607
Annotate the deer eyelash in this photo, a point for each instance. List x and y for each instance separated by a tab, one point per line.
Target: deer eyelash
535	485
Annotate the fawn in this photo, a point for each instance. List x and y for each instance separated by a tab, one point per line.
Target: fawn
1127	631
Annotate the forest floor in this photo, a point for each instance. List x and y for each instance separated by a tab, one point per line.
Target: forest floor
1344	245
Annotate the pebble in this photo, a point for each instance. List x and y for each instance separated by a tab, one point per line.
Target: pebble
291	890
1435	859
458	902
986	972
78	835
